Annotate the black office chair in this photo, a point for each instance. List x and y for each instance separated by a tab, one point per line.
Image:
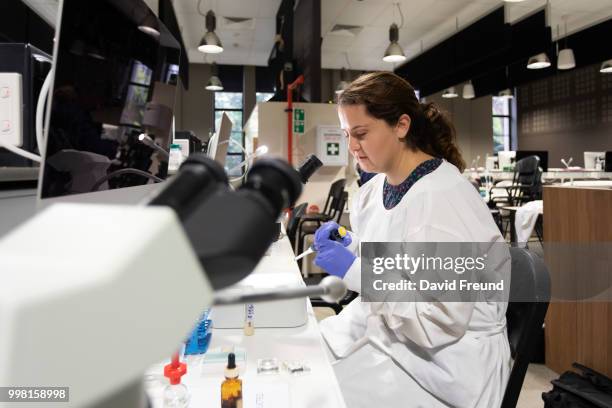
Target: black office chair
294	222
333	210
529	298
526	186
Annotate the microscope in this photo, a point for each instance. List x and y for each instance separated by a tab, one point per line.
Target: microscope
94	313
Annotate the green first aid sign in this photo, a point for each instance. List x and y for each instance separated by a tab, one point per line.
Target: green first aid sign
298	120
333	149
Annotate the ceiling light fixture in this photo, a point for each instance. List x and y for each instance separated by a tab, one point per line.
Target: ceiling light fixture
468	91
566	59
150	25
214	83
394	52
345	78
538	61
606	67
210	43
450	93
506	93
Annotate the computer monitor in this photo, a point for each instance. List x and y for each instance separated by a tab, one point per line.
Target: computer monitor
591	159
542	154
219	143
115	74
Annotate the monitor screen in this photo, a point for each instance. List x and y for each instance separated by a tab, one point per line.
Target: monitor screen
542	154
115	75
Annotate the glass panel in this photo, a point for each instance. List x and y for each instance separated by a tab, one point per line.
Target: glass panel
233	147
501	106
235	117
228	100
501	134
263	96
232	161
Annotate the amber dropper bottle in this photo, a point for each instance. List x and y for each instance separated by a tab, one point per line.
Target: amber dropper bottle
231	388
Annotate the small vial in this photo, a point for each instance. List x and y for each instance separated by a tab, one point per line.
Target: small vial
231	388
176	394
249	319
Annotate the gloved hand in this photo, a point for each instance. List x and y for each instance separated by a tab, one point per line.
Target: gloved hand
334	258
322	235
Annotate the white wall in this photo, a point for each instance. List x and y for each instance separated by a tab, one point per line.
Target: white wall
473	122
271	130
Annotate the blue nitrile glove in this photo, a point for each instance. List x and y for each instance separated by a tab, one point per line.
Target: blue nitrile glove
334	258
322	235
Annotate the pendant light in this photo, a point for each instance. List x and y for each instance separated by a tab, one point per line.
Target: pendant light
345	78
566	59
344	81
394	52
506	93
214	83
450	93
210	42
538	61
468	91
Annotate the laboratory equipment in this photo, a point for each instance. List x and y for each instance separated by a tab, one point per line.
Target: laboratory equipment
506	160
249	319
175	158
335	235
198	341
94	109
46	297
31	65
268	366
308	167
594	160
230	253
231	388
296	367
176	394
219	142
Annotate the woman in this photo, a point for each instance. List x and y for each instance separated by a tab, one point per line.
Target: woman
411	354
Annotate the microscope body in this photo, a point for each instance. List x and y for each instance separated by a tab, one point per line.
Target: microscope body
93	294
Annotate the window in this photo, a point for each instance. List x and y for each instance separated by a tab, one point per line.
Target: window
231	104
502	123
263	96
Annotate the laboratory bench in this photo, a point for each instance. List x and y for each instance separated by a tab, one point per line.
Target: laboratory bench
316	388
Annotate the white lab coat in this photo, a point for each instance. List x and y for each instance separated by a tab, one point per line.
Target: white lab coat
417	354
525	220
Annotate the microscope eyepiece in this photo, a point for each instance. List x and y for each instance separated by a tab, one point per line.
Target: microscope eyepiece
277	181
310	165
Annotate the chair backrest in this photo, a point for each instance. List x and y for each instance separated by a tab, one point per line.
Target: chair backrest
294	222
335	193
338	206
529	297
528	176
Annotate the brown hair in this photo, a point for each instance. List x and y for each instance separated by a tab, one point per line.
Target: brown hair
387	96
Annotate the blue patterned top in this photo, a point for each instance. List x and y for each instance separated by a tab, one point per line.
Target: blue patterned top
392	195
